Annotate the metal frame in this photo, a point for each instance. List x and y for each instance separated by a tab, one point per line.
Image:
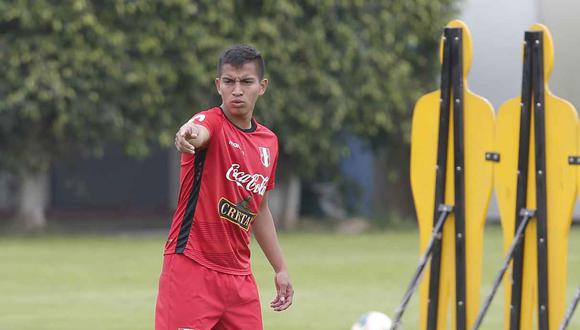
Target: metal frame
541	193
522	180
434	271
459	159
444	211
532	98
526	215
451	84
570	310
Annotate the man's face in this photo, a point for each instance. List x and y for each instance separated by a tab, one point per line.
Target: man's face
240	87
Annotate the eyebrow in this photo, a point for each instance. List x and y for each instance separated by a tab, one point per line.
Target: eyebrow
241	78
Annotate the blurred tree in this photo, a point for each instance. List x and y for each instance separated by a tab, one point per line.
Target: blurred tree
80	74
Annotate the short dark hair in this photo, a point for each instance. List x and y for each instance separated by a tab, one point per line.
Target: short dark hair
239	55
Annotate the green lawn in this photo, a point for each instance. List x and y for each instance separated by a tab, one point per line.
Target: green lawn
109	282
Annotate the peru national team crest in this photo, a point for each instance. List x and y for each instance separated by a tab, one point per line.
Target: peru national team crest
265	156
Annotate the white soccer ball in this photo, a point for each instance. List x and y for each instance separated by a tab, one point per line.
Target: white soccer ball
373	321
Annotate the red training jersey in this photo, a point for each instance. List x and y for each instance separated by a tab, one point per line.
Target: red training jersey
220	192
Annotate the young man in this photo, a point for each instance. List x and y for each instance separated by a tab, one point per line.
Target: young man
228	166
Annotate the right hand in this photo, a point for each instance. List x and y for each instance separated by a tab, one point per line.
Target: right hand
284	292
189	131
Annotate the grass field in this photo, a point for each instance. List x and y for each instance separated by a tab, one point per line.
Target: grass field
109	282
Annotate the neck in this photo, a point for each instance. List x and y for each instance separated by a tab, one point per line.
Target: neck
243	122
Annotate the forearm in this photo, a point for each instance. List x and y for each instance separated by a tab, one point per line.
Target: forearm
265	233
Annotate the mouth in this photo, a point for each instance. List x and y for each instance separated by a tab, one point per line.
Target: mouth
238	103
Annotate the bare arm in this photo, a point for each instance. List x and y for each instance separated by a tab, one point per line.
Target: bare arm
265	233
190	137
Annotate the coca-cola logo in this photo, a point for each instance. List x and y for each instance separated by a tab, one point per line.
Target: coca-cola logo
255	183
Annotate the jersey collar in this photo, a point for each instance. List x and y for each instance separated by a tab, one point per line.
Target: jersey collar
252	128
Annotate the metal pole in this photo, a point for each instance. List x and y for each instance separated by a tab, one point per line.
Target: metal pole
444	211
570	311
526	214
440	176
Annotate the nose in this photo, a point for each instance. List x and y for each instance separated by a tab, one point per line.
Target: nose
237	91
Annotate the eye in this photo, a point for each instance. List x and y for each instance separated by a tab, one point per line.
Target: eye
247	81
227	81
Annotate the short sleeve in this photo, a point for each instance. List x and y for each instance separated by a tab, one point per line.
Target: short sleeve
209	119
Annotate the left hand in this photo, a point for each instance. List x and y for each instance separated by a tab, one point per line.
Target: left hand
285	292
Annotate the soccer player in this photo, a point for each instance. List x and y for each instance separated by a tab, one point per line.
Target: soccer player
228	166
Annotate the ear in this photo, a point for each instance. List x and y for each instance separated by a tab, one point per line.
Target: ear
218	85
263	86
